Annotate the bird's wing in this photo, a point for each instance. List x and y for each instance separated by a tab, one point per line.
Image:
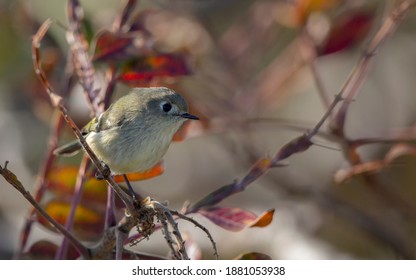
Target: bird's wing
112	117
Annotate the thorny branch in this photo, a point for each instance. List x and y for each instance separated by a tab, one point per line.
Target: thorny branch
198	225
164	214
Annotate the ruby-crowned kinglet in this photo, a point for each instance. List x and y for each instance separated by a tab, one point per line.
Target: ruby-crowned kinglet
134	133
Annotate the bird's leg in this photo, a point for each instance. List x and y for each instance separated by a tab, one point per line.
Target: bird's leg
132	193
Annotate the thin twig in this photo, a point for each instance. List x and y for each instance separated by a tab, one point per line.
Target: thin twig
76	199
166	213
353	84
198	225
79	50
122	18
110	219
12	179
104	249
104	101
308	51
167	235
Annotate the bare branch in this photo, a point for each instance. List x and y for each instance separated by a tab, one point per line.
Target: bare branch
166	214
79	49
12	179
76	199
353	84
198	225
122	18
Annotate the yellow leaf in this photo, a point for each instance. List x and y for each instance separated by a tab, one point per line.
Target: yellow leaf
61	181
88	223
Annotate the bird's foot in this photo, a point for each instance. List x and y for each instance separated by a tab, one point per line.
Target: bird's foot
106	172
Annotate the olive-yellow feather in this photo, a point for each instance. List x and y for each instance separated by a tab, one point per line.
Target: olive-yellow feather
134	133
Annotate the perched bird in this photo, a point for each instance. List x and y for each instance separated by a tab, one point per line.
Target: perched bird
134	133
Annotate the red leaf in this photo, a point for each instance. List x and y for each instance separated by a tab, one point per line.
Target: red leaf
147	68
118	47
46	250
42	250
233	219
348	30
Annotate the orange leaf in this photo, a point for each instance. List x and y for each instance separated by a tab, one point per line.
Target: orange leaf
157	66
306	7
296	13
156	170
61	181
88	223
264	219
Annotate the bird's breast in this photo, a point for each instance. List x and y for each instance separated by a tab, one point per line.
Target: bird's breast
127	152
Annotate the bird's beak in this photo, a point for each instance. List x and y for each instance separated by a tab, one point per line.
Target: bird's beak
188	116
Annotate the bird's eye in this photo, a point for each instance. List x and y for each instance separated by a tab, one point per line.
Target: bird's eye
166	107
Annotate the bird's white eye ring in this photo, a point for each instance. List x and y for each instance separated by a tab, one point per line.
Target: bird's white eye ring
166	106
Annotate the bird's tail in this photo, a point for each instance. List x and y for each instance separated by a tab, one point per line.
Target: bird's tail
69	149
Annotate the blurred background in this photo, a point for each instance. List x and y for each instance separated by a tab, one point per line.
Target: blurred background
259	73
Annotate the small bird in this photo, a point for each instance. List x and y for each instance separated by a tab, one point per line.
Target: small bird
134	133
